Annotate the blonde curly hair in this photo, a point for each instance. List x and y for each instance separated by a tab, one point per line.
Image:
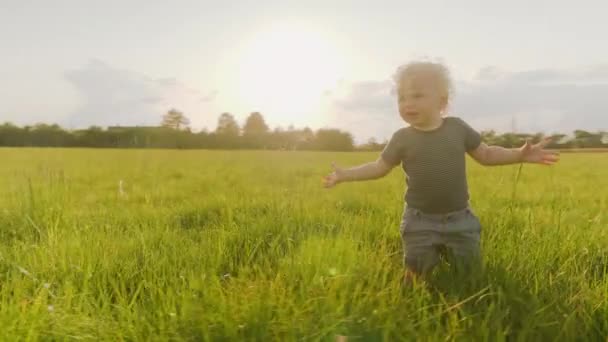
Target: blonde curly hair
436	71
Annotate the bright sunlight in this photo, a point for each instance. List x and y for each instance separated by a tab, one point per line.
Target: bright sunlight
285	71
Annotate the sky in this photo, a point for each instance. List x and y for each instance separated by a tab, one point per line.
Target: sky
528	66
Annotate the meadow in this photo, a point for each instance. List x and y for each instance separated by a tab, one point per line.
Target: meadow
248	245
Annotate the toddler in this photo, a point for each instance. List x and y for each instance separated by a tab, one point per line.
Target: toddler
437	218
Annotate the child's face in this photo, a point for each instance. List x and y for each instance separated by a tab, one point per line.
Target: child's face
421	100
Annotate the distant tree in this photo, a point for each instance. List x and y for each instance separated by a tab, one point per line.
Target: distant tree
371	145
489	137
333	140
49	135
255	125
584	139
11	135
510	140
305	138
175	119
581	134
226	134
255	131
559	140
227	125
308	133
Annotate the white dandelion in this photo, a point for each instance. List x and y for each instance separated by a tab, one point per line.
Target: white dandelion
121	189
24	271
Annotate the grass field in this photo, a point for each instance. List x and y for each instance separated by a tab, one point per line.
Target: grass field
204	245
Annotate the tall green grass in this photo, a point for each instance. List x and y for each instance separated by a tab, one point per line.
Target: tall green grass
204	245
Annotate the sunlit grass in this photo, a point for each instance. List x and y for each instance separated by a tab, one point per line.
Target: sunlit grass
248	245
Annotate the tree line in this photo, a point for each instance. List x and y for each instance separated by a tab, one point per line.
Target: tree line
174	132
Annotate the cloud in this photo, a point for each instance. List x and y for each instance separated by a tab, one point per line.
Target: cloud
112	96
537	100
542	100
592	74
209	97
366	109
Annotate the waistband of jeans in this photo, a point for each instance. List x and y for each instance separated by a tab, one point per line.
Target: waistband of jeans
449	214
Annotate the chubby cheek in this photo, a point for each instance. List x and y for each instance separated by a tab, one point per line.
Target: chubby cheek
402	112
402	108
406	118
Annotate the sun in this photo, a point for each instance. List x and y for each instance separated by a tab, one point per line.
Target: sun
286	70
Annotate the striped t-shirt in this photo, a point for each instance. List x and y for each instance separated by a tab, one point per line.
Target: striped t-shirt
434	164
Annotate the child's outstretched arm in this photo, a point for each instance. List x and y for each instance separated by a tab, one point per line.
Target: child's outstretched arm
372	170
528	153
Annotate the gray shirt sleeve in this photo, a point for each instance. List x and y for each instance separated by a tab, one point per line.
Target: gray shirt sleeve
472	138
394	150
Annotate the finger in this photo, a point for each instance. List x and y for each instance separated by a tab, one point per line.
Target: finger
550	158
329	184
542	161
552	152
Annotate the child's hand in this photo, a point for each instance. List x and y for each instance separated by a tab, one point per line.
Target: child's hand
335	177
537	154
